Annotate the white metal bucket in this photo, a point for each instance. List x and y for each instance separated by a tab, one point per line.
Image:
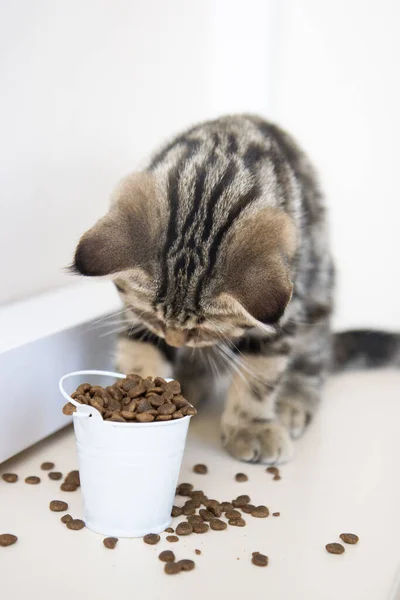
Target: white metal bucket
128	471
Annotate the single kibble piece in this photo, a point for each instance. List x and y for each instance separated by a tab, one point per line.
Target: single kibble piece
73	477
276	514
151	538
169	530
110	542
172	568
10	477
184	528
172	538
226	506
184	489
144	417
7	539
198	552
68	487
277	478
75	524
247	508
69	409
55	475
167	556
218	525
200	527
177	511
349	538
233	514
272	470
174	387
214	507
200	469
260	511
32	480
206	515
237	522
58	506
260	560
241	477
47	466
241	501
335	548
194	519
186	564
66	518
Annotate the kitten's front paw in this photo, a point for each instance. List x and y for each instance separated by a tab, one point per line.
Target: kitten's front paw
267	443
294	416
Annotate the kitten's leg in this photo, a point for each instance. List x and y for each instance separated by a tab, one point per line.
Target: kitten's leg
250	429
301	390
199	381
143	358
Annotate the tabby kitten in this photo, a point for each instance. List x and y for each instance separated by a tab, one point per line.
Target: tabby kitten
219	250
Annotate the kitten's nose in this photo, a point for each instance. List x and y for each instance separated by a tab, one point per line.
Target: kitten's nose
176	337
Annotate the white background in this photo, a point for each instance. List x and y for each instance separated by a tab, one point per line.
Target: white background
90	87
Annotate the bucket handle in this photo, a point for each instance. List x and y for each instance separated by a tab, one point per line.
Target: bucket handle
86	372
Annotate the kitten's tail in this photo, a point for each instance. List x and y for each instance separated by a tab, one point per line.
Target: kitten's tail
365	349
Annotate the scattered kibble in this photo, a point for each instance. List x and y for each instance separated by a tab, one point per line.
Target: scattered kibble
241	477
66	518
200	469
47	466
32	480
110	542
260	511
55	475
10	477
167	556
151	538
349	538
276	514
75	524
260	560
7	539
172	538
58	506
335	548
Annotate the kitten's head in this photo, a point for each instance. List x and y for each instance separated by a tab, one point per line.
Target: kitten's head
190	281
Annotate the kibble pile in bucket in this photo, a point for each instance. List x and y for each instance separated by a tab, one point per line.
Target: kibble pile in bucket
134	399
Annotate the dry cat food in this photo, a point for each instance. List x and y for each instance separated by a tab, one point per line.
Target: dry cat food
172	568
32	480
260	512
198	552
170	530
276	514
275	472
71	482
349	538
47	466
110	542
75	524
7	539
184	528
260	560
55	475
218	524
200	469
172	538
335	548
66	518
151	538
167	556
58	506
134	399
10	477
241	477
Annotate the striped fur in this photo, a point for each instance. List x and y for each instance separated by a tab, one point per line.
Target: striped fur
234	276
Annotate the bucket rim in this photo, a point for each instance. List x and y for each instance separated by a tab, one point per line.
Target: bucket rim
85	413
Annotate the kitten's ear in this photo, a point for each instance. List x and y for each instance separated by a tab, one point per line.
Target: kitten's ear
124	238
259	255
